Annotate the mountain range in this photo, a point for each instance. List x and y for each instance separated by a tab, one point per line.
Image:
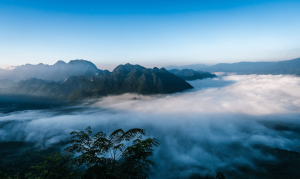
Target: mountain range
291	67
58	72
123	79
188	74
4	83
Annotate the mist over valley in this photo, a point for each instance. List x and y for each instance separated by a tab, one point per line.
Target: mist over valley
242	125
143	89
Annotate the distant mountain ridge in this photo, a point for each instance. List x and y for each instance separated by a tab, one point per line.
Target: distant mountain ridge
58	72
291	67
188	74
192	67
6	83
123	79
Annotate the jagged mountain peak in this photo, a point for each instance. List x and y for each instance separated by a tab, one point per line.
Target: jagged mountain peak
124	79
57	72
125	69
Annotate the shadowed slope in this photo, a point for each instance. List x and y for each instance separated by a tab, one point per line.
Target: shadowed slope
124	79
188	74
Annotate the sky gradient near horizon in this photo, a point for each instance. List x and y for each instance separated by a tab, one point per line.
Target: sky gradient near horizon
150	33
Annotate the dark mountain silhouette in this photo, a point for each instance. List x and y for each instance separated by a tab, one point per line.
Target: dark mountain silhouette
188	74
123	79
58	72
291	67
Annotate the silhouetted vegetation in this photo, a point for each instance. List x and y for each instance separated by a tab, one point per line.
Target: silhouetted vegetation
91	156
109	157
55	166
220	175
98	156
123	154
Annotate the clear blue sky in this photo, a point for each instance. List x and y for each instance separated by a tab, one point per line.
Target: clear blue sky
148	32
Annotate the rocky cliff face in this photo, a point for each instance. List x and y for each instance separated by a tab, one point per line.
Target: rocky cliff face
123	79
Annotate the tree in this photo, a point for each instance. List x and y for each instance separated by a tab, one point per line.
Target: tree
220	175
5	176
108	156
55	166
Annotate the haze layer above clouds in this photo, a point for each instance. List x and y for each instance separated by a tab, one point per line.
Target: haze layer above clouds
216	125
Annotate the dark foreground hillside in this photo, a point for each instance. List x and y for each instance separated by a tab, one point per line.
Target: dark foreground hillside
17	157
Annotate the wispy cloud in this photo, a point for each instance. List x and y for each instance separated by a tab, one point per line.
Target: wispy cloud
217	125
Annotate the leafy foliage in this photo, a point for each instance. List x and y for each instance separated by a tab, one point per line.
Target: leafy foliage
17	157
56	166
220	175
5	176
108	157
100	156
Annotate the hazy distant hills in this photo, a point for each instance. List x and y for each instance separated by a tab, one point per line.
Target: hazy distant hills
58	72
291	67
4	83
188	74
195	67
123	79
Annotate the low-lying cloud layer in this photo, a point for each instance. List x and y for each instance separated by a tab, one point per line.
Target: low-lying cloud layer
257	95
216	125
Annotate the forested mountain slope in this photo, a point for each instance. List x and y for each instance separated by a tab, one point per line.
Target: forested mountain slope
123	79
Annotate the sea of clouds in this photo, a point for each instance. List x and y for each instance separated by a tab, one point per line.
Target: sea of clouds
217	125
